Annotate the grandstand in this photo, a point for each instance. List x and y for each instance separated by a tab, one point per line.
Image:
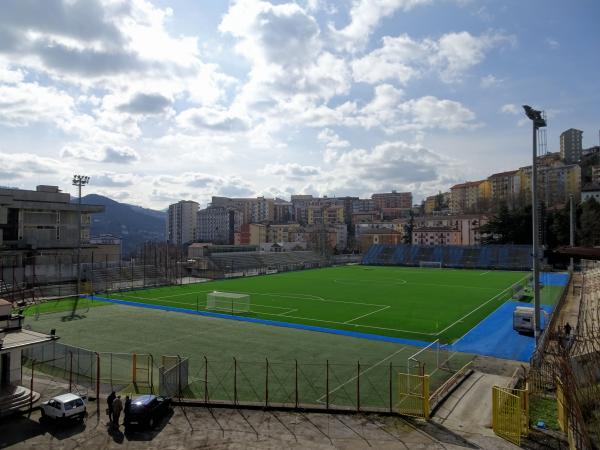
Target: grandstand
507	257
265	262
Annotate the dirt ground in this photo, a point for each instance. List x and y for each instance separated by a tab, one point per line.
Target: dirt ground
196	427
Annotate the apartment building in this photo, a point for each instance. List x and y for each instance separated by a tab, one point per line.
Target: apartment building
504	187
393	204
448	230
470	196
251	234
254	210
218	225
181	222
555	183
571	146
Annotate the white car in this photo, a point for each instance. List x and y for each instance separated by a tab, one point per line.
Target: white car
65	406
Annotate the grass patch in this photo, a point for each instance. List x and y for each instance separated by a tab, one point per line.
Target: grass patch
545	409
58	305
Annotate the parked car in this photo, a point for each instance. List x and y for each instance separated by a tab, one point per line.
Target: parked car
65	406
147	410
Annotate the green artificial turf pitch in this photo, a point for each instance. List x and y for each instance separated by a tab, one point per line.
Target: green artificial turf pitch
413	303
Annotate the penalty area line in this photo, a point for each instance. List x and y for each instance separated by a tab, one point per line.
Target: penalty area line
367	314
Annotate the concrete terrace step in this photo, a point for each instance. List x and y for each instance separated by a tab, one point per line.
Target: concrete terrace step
15	398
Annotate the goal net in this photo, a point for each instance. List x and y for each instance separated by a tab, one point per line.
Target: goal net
228	302
432	264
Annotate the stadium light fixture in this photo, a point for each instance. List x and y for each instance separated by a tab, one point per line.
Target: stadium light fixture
538	121
79	181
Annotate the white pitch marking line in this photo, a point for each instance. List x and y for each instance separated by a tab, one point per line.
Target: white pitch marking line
320	399
481	306
367	314
484	273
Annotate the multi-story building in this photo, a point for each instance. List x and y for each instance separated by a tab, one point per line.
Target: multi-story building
251	234
555	183
448	230
181	222
430	204
254	210
380	236
283	232
596	174
571	145
283	211
43	219
591	191
393	204
217	224
505	187
471	196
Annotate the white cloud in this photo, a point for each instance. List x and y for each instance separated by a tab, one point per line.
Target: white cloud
490	81
552	43
107	154
510	108
22	165
332	139
23	103
364	17
291	171
403	58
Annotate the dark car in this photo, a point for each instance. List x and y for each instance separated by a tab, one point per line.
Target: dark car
147	410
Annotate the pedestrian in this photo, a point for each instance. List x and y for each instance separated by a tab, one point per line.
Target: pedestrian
117	408
109	401
126	410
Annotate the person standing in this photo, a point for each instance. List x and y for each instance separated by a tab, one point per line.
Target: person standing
109	401
126	409
117	408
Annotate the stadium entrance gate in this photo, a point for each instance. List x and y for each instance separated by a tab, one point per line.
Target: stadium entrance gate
510	413
413	395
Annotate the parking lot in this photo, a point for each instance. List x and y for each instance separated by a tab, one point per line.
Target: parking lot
197	427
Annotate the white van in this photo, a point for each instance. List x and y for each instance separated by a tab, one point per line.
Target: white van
523	319
65	406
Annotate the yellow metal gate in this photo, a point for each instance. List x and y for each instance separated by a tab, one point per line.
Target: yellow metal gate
413	395
510	413
561	406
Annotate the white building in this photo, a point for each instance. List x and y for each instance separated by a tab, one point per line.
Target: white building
181	222
218	224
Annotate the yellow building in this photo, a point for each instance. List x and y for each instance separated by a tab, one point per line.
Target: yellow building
555	183
430	204
326	215
466	197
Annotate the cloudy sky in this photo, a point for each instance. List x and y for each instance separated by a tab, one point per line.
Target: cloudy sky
165	100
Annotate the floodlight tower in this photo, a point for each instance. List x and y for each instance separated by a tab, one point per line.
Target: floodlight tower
538	122
79	181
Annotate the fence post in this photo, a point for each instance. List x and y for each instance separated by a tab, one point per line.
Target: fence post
205	379
98	383
267	383
358	386
296	382
133	367
70	371
327	384
31	386
390	382
234	381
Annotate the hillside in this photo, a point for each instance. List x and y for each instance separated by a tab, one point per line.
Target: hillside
133	224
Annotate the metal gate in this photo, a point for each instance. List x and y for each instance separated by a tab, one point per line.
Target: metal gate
510	413
563	417
413	395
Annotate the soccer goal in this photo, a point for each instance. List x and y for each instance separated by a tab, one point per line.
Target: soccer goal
228	302
431	264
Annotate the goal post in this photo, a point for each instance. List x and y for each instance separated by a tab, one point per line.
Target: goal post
230	302
431	264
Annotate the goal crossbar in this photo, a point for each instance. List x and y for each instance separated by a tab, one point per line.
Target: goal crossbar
228	302
432	264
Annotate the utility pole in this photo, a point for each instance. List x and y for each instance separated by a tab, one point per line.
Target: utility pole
571	229
79	181
538	121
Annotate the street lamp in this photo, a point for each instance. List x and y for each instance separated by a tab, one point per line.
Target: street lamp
538	120
79	181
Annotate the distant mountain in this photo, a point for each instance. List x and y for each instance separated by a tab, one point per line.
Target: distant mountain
132	223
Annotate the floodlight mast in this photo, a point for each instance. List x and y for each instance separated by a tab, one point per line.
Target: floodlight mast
538	121
79	181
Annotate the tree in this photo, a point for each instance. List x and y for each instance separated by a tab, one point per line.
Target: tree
509	227
408	229
589	223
